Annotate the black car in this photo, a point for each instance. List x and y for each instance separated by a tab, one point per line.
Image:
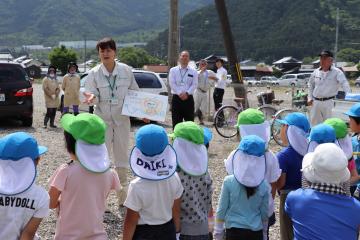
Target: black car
16	93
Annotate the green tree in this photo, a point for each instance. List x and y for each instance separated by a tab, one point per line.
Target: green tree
349	55
137	57
61	56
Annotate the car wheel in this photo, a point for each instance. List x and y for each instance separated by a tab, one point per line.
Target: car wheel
249	84
27	122
277	84
357	84
273	84
292	84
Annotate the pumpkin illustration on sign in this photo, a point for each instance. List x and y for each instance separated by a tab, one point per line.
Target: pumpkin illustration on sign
152	106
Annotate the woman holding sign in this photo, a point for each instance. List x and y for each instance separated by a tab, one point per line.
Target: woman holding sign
108	84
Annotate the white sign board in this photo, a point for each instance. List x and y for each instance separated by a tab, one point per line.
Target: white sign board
145	105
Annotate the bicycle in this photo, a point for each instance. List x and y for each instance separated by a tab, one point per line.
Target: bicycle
299	104
225	118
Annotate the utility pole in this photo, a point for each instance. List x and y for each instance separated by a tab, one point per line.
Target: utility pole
234	66
173	40
336	35
84	53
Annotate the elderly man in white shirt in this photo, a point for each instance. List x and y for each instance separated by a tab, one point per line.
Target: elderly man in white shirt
183	81
220	84
323	86
201	92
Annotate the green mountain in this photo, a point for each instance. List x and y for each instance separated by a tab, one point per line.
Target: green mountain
49	21
269	30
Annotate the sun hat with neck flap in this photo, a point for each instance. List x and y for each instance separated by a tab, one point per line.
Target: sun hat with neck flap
319	134
248	162
327	164
342	136
252	122
152	157
189	139
297	131
89	133
18	152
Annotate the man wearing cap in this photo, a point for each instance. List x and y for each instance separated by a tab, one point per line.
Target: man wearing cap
323	86
323	211
23	204
183	81
201	92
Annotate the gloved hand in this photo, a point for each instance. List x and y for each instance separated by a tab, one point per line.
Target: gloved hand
219	230
177	236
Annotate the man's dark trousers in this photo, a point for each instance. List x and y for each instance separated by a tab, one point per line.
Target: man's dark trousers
182	110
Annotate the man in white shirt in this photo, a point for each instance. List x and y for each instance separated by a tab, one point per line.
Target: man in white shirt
323	86
183	81
220	84
201	92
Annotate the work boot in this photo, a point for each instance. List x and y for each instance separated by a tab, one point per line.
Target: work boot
46	120
121	195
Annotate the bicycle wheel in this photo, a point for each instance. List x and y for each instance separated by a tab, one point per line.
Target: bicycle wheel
276	126
269	112
225	121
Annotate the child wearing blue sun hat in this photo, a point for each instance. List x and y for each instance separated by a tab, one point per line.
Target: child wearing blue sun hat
23	204
154	196
294	133
244	200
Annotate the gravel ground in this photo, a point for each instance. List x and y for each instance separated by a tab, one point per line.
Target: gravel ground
53	139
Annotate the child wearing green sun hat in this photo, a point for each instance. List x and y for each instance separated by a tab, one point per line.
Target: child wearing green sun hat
79	189
189	142
345	143
252	122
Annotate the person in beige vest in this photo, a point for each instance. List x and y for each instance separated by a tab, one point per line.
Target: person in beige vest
51	89
71	88
107	84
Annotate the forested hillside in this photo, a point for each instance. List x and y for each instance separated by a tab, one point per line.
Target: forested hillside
269	30
48	21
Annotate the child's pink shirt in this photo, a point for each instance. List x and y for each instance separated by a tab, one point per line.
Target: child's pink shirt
82	201
351	165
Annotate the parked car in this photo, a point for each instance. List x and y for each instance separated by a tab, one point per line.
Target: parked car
16	93
288	80
269	80
303	79
147	81
252	81
164	77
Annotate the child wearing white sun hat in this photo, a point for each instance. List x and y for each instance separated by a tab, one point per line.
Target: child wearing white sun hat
154	196
244	199
323	211
189	142
23	204
79	189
